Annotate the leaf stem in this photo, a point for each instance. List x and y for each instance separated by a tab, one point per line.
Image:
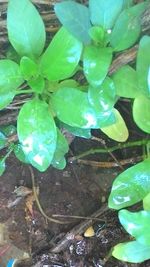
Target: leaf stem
28	91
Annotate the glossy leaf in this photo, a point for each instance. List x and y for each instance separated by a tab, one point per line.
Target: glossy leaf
3	140
104	13
37	84
73	108
26	30
127	27
75	18
141	113
61	149
126	83
84	133
18	151
136	224
2	166
103	97
146	202
28	68
61	57
133	252
131	186
37	135
96	62
118	131
143	65
10	79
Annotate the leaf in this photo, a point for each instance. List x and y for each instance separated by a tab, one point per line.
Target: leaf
125	80
127	3
10	79
143	65
61	149
127	27
61	57
26	30
18	151
141	112
103	97
37	84
131	252
73	108
75	18
104	13
84	133
28	67
131	186
8	130
112	131
2	166
146	202
3	140
37	135
137	224
96	62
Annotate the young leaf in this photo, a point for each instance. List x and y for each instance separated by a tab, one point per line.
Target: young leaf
131	186
137	224
96	62
104	13
3	140
10	79
103	97
61	57
26	30
127	27
37	84
75	18
118	131
143	65
28	67
131	252
146	202
37	135
2	166
125	80
141	113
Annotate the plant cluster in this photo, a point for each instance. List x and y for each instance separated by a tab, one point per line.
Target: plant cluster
86	43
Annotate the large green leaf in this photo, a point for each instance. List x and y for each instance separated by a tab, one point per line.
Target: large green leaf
127	28
73	108
103	97
126	83
131	186
127	3
37	133
10	79
61	57
137	224
104	13
96	62
75	18
141	113
26	30
143	65
131	252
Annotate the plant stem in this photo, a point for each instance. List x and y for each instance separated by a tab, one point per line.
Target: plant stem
28	91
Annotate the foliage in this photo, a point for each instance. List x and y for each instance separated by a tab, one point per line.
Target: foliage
86	43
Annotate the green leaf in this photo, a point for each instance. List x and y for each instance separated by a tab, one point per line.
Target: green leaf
37	84
2	166
103	97
127	3
131	186
112	130
73	108
3	140
127	27
146	202
84	133
131	252
28	68
10	79
143	65
104	13
137	224
141	113
26	30
8	129
18	151
37	133
61	149
75	18
61	57
96	62
126	83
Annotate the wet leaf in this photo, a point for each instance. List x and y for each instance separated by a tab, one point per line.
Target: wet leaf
146	202
3	140
131	186
96	62
75	18
141	113
28	67
61	57
117	131
104	13
131	252
37	136
23	20
2	166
